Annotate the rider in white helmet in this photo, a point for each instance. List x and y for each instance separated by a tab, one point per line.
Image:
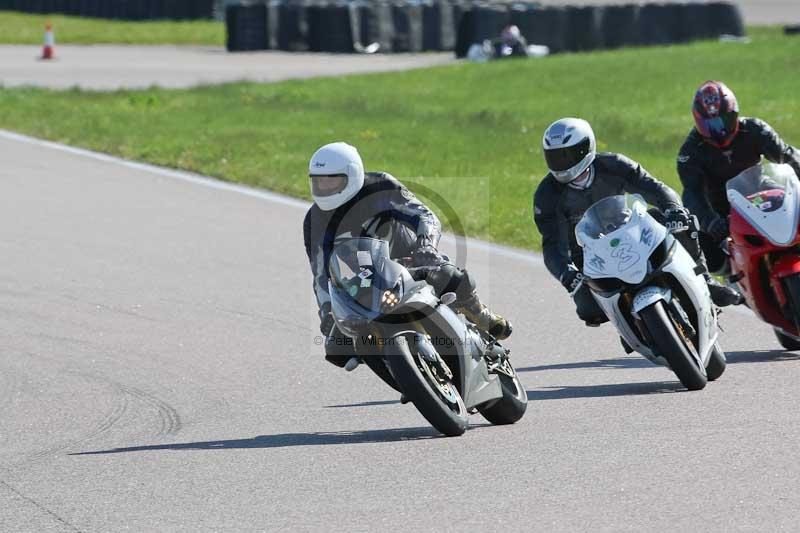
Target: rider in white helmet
580	176
351	203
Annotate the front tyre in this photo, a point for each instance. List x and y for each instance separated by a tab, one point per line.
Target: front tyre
789	343
435	397
669	344
511	407
791	285
716	363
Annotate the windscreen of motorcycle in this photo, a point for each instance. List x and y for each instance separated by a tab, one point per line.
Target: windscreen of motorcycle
361	270
618	236
766	196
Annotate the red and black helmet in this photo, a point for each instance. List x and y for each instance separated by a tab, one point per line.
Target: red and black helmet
716	113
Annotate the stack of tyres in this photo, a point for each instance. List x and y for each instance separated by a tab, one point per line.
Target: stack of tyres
117	9
133	10
366	26
696	23
37	6
480	23
454	11
107	9
661	23
432	25
407	19
246	27
725	19
329	28
199	9
292	26
584	25
620	25
89	8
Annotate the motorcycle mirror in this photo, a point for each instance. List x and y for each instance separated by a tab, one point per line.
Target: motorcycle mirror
448	298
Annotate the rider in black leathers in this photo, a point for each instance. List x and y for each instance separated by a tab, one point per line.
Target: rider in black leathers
719	147
579	177
352	203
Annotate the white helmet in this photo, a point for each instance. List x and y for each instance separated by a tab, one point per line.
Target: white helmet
569	148
336	173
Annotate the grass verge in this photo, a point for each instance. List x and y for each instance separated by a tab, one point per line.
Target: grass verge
472	132
24	28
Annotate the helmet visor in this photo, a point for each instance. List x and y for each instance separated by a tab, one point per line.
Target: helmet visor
720	128
561	159
328	185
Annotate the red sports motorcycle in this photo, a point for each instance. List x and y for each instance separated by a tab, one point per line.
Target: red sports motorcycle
765	246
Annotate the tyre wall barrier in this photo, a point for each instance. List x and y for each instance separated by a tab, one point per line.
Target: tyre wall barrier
247	27
329	28
117	9
584	28
422	25
620	26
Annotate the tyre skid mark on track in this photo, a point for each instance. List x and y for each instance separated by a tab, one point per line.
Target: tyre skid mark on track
169	418
107	422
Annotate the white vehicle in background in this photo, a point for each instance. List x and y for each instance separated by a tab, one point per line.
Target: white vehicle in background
651	289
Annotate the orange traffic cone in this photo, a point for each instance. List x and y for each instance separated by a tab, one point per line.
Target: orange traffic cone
49	42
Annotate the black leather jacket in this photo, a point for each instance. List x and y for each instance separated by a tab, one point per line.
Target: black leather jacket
704	169
558	208
383	209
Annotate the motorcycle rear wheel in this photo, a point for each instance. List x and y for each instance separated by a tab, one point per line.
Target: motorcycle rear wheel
438	400
670	345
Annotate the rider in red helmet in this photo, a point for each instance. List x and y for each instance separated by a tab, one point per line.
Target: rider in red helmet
716	114
721	145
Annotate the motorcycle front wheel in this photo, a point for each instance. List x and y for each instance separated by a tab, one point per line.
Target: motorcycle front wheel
789	343
435	397
792	286
671	345
717	363
511	407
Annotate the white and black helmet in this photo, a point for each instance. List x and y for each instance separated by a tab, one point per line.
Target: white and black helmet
337	174
569	148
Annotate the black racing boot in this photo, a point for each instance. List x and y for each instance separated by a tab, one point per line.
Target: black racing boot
721	295
480	315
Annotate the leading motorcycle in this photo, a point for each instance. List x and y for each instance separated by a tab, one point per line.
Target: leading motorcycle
416	343
651	289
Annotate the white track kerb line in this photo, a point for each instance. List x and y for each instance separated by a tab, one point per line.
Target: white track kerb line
213	183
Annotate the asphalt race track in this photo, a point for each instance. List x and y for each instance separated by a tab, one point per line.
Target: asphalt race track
159	372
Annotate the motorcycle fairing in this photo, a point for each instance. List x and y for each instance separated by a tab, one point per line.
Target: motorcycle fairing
624	252
766	196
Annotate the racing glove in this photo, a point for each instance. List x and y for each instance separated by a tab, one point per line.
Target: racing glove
677	218
718	229
426	254
571	279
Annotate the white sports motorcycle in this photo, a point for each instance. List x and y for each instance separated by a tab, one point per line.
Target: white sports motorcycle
650	288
